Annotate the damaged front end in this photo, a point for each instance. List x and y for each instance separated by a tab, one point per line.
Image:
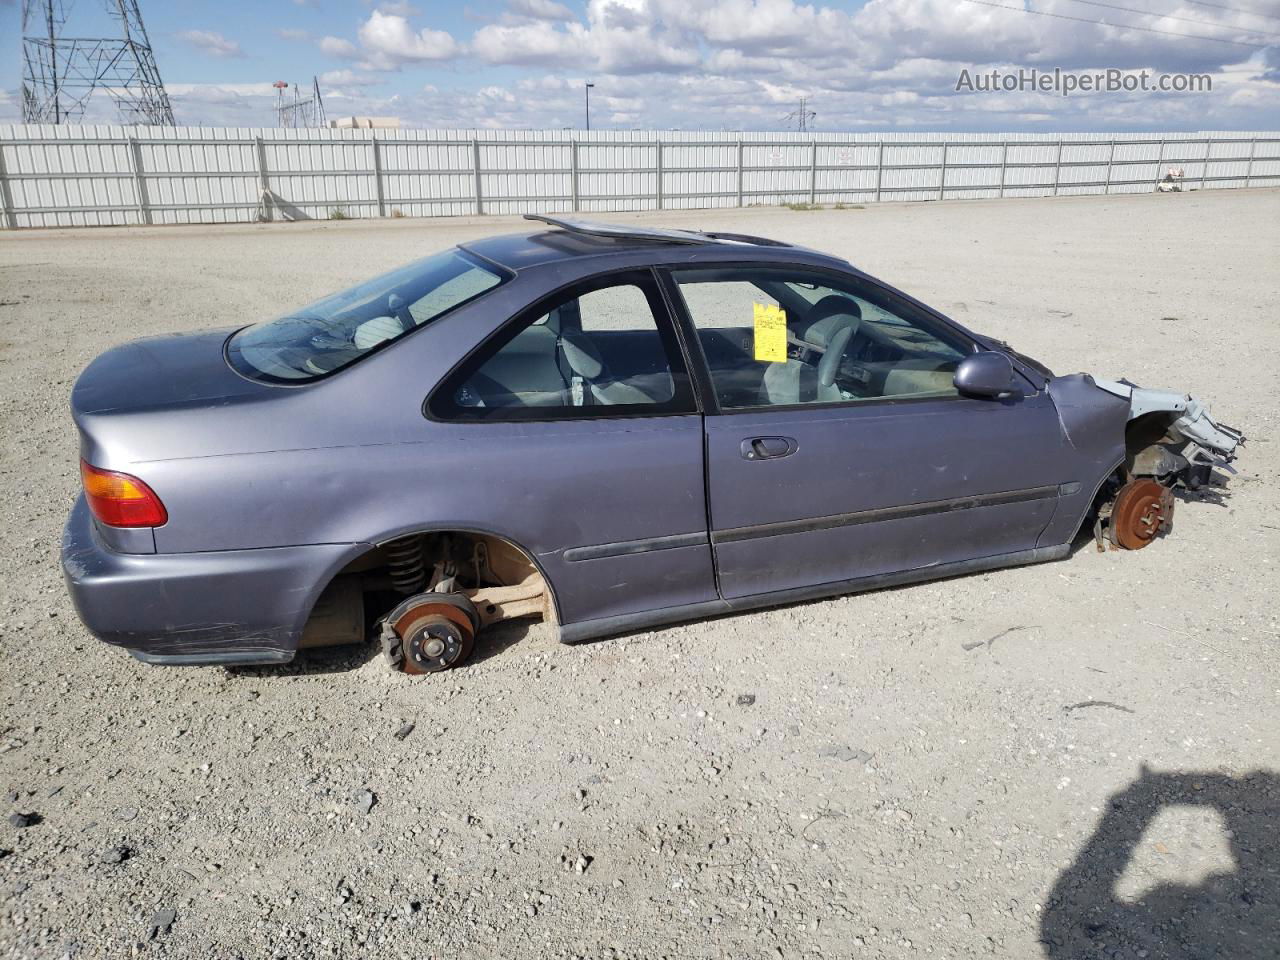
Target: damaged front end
1170	441
1171	436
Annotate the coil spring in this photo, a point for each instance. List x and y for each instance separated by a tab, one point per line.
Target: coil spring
408	569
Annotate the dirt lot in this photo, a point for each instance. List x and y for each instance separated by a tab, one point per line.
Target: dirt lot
1077	759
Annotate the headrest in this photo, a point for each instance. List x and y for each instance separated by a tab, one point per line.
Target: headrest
827	318
581	355
373	332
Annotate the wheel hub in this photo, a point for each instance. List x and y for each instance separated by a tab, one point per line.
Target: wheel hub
433	643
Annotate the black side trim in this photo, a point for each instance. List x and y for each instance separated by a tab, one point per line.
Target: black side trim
223	658
623	548
735	534
630	622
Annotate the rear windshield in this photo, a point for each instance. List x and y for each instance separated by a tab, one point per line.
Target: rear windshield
337	331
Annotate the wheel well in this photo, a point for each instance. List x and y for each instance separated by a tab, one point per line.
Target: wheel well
503	579
1144	436
1105	490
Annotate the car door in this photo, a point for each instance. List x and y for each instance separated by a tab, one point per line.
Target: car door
840	449
583	443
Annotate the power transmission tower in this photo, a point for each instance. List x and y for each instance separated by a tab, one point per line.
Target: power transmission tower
297	112
801	117
60	74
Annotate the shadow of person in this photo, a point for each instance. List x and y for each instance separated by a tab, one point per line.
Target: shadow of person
1233	915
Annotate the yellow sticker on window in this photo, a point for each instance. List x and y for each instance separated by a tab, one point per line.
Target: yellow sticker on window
770	333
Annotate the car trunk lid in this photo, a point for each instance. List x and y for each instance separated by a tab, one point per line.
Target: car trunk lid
160	373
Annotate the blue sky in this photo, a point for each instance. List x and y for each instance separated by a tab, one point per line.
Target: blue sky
698	64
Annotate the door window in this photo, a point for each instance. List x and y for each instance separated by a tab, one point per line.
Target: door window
605	348
780	337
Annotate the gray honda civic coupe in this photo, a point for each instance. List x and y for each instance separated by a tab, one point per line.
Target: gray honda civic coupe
607	427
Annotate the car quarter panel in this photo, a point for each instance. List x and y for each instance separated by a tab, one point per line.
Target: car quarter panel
248	605
548	487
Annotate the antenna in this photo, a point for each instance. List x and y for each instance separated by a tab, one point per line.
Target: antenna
60	74
295	111
801	116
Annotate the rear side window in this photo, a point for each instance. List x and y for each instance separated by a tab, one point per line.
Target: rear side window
340	329
603	349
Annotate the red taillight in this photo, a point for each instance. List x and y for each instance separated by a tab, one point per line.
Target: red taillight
119	500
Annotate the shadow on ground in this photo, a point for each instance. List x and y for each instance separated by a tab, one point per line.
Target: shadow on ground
490	642
1229	916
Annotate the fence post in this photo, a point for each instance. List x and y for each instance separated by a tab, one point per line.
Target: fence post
813	174
264	186
739	171
658	170
139	188
1057	169
6	198
377	175
573	174
475	167
1204	166
1248	170
1004	157
1110	159
879	169
1159	160
942	180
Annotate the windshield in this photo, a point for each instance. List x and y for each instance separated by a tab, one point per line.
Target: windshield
340	329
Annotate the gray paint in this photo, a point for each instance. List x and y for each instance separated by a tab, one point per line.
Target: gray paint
273	489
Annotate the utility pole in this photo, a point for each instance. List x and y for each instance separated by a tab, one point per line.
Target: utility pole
60	73
586	90
53	59
801	116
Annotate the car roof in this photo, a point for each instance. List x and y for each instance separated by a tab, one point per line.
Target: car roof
576	239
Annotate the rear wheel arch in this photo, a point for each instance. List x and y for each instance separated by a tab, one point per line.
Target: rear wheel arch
368	556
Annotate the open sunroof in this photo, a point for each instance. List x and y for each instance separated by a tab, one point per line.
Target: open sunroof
619	231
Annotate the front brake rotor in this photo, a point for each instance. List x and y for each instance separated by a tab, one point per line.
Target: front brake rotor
1142	511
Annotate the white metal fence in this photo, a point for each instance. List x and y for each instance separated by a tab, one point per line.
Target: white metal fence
97	175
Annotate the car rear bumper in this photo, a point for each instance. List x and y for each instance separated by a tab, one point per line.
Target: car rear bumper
224	607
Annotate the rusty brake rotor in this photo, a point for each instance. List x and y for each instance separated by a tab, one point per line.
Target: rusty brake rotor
435	635
1143	509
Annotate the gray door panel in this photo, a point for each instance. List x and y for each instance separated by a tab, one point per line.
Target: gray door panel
878	488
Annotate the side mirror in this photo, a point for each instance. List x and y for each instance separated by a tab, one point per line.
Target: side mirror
985	374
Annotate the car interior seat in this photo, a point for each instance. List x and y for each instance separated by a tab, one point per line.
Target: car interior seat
584	360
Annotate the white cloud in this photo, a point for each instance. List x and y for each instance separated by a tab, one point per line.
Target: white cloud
399	8
528	43
350	78
620	36
389	40
338	47
212	43
763	26
219	91
542	9
292	33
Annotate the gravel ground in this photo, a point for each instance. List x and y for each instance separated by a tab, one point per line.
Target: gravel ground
1079	759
